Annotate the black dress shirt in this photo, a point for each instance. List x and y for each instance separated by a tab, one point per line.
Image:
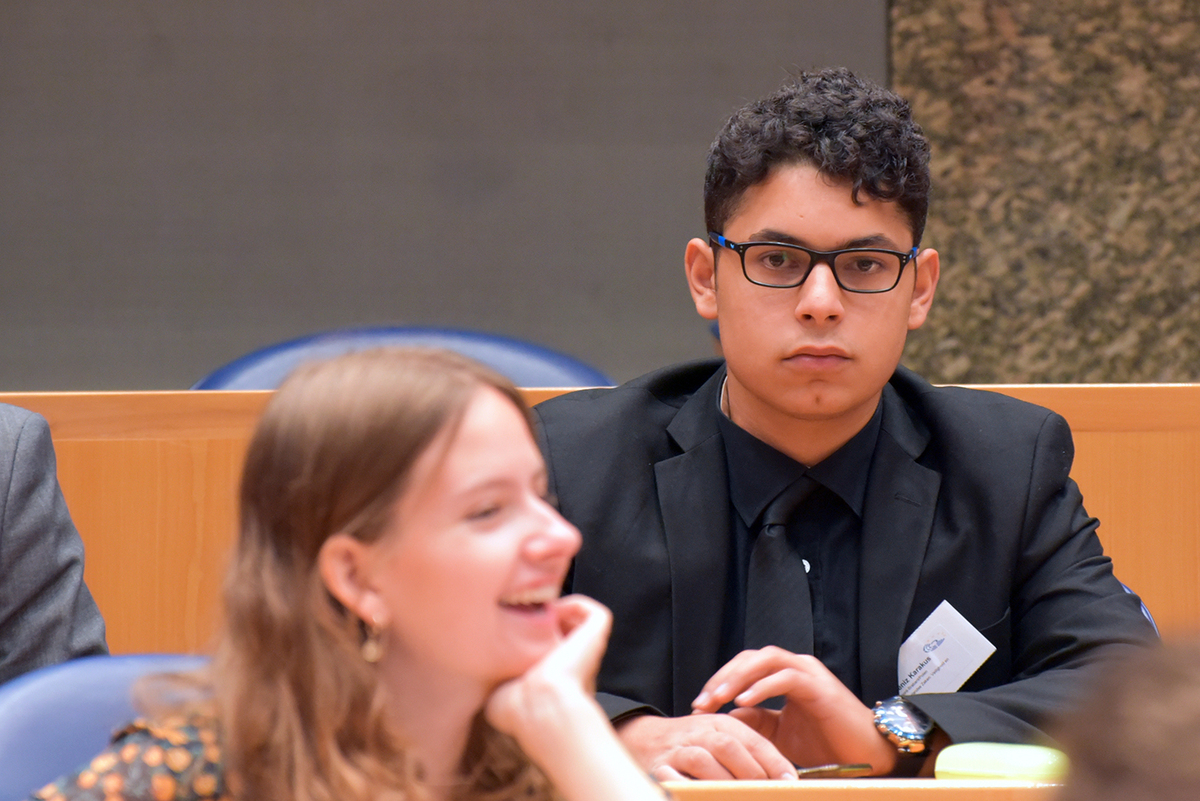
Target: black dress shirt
827	528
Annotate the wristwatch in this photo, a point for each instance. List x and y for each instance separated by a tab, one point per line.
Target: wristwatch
904	726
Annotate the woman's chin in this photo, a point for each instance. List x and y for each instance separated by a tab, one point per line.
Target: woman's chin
520	661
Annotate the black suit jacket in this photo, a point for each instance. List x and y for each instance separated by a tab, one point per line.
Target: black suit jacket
968	501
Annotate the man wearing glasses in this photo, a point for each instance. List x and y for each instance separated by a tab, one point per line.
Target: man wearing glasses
898	566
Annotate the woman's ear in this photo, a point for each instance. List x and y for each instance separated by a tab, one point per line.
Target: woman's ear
343	564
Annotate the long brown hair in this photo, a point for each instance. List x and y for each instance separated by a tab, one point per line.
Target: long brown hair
301	713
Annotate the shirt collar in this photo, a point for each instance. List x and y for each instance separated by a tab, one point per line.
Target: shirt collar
759	472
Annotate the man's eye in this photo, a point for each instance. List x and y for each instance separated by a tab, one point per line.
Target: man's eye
866	264
780	260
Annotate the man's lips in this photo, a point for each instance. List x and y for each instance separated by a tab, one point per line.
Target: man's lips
819	356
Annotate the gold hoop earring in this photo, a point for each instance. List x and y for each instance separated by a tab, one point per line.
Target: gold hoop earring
372	647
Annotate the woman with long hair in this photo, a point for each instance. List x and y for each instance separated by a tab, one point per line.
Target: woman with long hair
393	626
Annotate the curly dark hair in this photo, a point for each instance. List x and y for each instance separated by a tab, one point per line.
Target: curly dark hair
846	127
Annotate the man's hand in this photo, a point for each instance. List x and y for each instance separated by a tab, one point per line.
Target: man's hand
822	721
702	747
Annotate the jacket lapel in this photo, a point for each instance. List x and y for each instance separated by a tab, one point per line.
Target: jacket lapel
693	492
897	521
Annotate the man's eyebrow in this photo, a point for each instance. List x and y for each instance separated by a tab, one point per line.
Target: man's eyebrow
770	235
872	241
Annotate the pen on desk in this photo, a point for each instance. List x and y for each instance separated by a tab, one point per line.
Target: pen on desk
834	771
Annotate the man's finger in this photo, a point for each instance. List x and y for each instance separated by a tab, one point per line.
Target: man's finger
698	762
764	751
741	672
761	720
792	684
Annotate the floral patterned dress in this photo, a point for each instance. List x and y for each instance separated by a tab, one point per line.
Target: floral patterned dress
176	759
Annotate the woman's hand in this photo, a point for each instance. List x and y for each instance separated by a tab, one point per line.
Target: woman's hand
552	714
528	705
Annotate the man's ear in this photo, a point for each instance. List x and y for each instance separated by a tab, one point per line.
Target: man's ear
699	263
343	564
928	269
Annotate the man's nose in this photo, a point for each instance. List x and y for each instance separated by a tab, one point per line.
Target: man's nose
820	295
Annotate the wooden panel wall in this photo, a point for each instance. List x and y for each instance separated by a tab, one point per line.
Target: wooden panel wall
150	478
1137	460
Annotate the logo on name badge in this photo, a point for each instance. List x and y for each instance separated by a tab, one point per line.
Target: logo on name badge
941	654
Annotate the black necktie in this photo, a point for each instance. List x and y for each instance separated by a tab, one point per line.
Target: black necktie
778	606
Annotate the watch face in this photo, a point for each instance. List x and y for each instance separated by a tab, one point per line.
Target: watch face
904	719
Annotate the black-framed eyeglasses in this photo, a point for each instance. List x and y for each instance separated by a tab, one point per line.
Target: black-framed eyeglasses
781	265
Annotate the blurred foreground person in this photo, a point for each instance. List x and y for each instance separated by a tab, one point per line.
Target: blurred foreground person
1136	735
393	626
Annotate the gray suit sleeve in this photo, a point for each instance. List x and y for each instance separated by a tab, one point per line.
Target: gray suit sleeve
47	614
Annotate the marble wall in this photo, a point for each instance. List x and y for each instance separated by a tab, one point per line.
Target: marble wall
1066	168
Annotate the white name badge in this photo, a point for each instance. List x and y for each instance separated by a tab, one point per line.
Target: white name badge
941	654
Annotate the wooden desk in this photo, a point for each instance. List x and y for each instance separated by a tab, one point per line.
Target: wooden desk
151	477
862	790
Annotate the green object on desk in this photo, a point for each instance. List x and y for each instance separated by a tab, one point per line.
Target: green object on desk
1027	763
